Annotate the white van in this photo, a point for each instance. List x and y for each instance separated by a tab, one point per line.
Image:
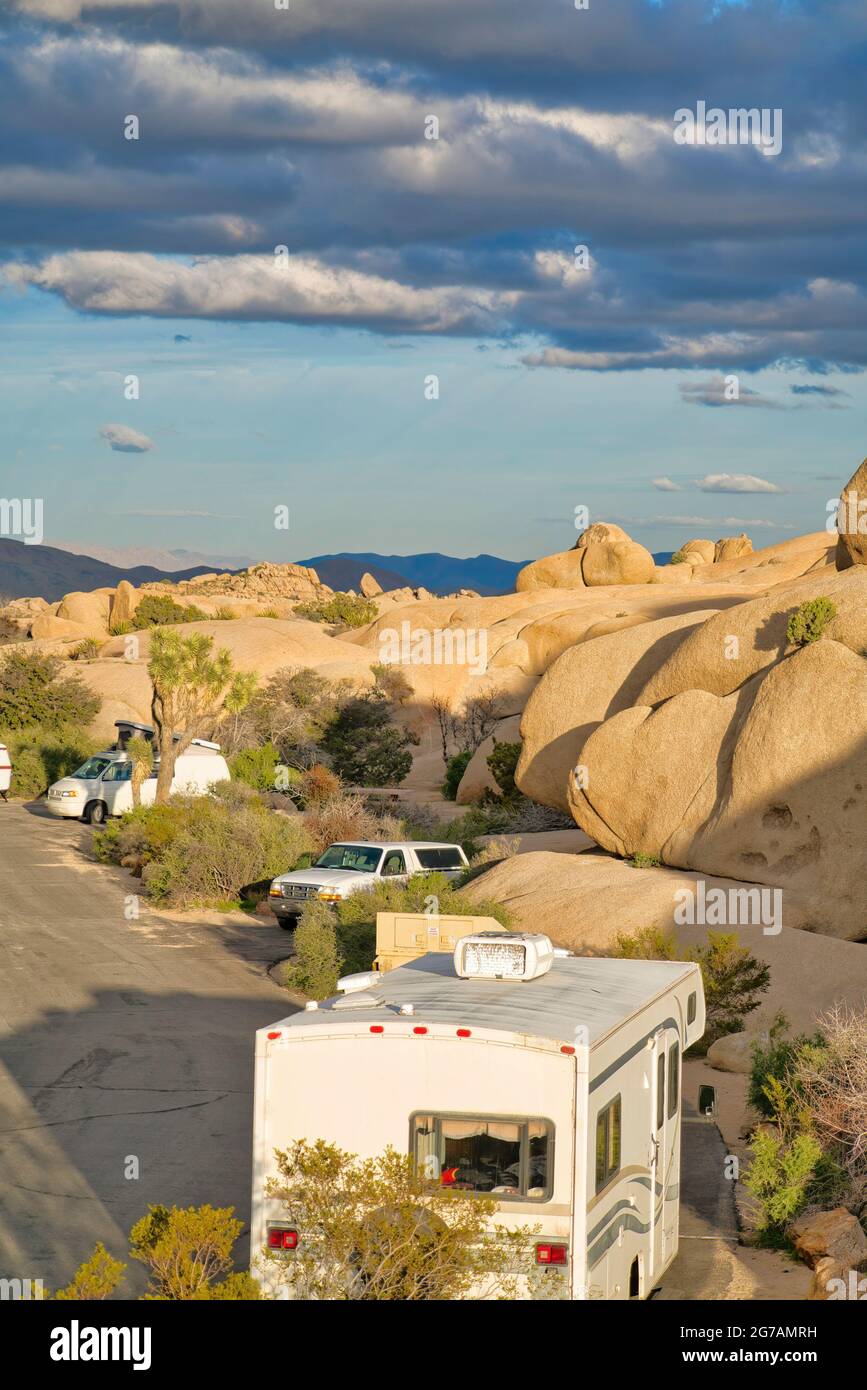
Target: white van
5	771
102	786
548	1081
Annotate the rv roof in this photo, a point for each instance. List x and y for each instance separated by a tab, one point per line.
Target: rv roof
577	990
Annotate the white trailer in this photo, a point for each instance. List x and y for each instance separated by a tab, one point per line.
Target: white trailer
558	1095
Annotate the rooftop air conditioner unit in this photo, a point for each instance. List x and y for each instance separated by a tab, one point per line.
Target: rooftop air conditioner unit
503	956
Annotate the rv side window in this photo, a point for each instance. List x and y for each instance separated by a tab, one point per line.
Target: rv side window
660	1091
498	1156
691	1007
607	1143
673	1079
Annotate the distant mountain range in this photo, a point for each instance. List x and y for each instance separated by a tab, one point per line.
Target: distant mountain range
29	571
32	571
442	574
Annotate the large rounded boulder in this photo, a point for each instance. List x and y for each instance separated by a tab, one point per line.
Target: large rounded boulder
852	521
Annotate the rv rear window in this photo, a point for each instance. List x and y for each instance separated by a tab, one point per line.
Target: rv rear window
440	858
607	1144
504	1157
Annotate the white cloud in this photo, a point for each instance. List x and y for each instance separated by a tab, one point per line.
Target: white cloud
123	440
666	485
297	288
735	482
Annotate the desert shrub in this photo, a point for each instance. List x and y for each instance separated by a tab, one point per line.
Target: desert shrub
678	558
318	960
121	628
392	682
455	769
158	610
34	694
86	650
256	767
772	1065
202	850
494	851
40	757
376	1229
341	817
343	610
268	613
830	1080
779	1178
365	747
187	1250
733	978
809	621
292	711
96	1279
224	614
643	861
319	784
419	894
502	761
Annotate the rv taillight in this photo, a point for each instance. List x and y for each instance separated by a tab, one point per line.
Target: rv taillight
547	1254
279	1238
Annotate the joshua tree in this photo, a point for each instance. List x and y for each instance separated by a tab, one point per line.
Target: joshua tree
191	687
141	755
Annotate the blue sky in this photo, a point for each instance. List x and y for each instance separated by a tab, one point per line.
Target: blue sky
302	384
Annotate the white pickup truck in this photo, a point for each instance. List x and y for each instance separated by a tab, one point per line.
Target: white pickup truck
352	867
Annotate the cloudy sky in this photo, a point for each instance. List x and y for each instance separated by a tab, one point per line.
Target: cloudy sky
432	275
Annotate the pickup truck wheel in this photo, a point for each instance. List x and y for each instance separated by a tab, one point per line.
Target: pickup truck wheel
287	923
97	813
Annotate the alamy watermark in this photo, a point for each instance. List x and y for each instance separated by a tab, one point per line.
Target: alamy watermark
419	646
729	907
21	518
741	125
847	514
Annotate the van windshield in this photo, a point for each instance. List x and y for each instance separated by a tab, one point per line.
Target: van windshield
94	767
362	858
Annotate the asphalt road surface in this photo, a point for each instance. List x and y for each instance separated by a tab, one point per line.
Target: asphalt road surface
126	1045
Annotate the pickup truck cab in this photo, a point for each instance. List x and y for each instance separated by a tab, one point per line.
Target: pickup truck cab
354	866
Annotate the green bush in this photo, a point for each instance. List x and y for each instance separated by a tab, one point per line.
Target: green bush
360	908
158	610
733	978
780	1178
643	861
773	1065
455	769
86	650
678	558
502	762
344	610
203	850
365	747
318	959
34	694
256	767
40	757
808	622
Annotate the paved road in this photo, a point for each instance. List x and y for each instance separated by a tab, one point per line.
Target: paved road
708	1227
119	1039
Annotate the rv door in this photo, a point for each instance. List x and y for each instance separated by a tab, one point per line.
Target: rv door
664	1149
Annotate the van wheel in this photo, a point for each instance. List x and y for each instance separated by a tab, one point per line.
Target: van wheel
98	813
288	925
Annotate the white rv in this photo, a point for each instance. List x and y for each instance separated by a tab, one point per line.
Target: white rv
549	1081
5	771
102	786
